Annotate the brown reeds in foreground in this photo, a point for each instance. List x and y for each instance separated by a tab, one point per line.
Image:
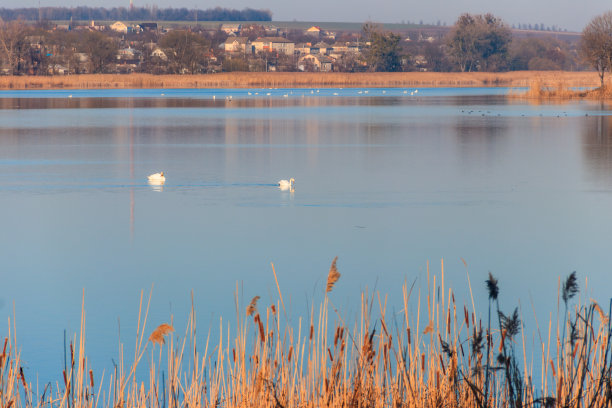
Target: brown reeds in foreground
379	360
299	80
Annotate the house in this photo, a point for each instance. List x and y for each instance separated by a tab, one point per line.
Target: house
313	31
119	27
320	48
319	63
278	44
271	31
148	26
58	69
237	45
158	53
302	48
354	47
127	53
231	28
339	48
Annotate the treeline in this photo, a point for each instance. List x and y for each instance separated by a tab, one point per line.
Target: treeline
133	14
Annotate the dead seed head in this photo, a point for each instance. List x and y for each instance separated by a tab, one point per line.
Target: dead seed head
252	307
332	276
492	287
158	334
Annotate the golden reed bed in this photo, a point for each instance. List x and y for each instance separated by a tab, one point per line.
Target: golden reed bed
426	352
301	80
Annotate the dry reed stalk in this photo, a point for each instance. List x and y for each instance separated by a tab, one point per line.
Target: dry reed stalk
299	80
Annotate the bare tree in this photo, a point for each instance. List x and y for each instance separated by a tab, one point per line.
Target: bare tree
101	50
596	44
479	42
12	43
185	51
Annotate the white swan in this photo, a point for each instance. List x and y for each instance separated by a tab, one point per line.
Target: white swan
157	177
286	184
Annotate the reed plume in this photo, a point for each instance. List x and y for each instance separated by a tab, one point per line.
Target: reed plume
492	287
158	334
332	276
570	287
252	307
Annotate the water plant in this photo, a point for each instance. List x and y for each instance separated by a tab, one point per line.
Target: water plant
433	353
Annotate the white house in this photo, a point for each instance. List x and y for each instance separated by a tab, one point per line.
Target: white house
119	27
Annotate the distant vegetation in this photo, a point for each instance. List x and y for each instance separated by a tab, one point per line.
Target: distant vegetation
132	14
85	40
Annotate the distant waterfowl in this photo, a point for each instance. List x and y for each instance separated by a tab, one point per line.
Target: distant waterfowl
286	184
157	177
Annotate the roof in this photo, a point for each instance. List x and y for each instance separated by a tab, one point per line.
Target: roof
273	40
239	40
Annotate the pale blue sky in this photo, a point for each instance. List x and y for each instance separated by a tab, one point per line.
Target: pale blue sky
569	14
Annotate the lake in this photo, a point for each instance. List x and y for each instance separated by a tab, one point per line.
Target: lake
386	179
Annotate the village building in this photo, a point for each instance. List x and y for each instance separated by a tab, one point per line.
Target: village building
278	44
302	48
231	28
148	26
321	63
314	31
119	27
159	53
320	48
237	45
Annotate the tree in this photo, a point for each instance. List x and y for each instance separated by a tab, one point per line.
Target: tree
384	52
596	44
185	51
479	42
12	44
101	50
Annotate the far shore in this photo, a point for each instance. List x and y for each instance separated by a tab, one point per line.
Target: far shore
303	80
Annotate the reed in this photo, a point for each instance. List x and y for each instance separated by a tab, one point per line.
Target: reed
299	80
379	360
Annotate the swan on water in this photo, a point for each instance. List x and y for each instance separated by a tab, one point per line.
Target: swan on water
157	177
286	184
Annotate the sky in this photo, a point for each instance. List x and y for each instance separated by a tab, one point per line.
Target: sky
568	14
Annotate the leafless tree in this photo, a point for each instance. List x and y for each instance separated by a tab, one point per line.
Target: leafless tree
12	43
596	44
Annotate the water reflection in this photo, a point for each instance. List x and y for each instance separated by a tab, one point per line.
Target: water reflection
240	101
597	148
157	185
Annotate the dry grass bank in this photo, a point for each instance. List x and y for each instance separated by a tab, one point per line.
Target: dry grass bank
299	80
541	90
434	354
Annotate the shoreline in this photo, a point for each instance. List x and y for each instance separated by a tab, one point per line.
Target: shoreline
302	80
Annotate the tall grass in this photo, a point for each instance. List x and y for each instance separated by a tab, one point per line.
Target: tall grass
541	88
439	355
297	79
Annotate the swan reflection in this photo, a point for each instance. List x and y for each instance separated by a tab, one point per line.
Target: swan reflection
157	185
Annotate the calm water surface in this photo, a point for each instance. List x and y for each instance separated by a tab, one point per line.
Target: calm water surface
385	180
